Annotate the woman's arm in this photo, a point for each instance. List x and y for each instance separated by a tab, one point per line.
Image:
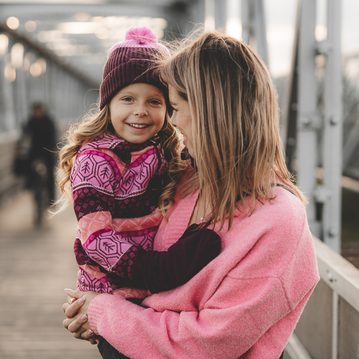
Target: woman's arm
253	307
240	313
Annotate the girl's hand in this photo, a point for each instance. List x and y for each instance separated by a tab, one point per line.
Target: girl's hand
75	310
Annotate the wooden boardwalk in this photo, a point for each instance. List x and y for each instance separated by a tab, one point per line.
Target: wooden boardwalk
35	266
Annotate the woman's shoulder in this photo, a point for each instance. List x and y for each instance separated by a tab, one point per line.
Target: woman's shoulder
286	204
273	238
280	221
285	208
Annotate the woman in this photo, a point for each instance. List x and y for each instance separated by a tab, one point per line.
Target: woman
247	301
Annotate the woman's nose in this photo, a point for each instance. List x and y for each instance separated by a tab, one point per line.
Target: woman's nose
173	120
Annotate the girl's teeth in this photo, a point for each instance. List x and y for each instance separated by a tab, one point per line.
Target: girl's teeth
137	125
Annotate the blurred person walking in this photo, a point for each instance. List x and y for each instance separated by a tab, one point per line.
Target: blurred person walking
41	131
35	159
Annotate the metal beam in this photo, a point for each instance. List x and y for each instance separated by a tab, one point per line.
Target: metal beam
43	51
254	26
333	124
220	14
307	116
303	132
58	10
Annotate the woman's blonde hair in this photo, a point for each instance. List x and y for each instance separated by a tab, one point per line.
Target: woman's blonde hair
94	125
235	126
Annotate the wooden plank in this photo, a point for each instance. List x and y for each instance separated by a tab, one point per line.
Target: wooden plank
35	266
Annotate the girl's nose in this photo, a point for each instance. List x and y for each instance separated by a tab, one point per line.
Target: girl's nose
140	113
140	110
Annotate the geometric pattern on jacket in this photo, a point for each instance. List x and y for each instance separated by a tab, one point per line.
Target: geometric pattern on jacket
115	187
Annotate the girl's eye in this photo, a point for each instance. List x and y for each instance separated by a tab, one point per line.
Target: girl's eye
127	99
155	102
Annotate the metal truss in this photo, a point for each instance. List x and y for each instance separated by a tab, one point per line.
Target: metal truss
313	127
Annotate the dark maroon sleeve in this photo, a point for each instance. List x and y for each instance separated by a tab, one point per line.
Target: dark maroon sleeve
160	271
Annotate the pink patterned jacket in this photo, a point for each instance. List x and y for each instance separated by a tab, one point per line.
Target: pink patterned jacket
116	186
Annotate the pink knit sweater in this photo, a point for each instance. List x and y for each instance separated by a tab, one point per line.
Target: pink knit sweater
243	304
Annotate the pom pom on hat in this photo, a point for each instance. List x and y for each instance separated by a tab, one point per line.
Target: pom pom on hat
131	61
141	35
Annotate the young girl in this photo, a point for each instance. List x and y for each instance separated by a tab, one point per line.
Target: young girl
118	163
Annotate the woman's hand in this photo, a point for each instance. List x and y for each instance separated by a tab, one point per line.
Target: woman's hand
75	310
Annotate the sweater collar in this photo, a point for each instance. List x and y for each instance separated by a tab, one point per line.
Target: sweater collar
120	146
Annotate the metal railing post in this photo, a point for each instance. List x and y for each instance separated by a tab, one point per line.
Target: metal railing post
333	124
307	117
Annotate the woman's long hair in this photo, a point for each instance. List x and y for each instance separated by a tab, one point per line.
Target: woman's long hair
96	124
237	147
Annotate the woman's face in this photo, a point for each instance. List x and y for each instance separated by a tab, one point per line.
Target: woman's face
181	118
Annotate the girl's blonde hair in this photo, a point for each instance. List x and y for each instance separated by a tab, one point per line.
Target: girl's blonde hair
96	124
237	147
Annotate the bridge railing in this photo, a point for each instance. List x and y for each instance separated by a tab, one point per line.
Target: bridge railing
329	326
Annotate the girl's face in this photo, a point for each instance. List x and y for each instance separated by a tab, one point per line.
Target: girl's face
138	112
181	118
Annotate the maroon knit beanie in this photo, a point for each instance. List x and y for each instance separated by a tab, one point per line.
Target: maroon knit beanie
132	61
